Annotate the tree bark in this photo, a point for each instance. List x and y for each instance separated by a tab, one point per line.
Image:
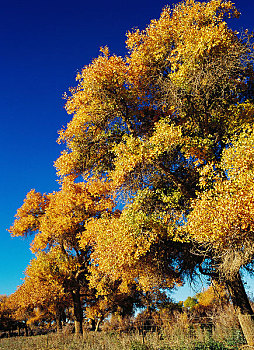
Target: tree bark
58	316
243	308
78	312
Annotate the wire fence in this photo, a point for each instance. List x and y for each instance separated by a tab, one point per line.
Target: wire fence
157	325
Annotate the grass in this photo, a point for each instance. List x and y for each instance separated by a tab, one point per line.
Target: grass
90	341
198	339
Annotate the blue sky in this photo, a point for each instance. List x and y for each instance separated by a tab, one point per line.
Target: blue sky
43	45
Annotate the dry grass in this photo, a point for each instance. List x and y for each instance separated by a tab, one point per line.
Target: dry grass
176	339
90	341
178	333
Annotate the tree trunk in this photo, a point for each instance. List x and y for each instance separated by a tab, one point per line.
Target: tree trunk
98	324
78	312
58	320
26	329
78	327
93	324
243	308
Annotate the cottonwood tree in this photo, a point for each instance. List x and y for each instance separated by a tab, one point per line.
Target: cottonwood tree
8	322
153	123
44	287
111	300
215	295
58	221
21	307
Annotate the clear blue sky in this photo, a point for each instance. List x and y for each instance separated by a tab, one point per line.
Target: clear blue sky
43	45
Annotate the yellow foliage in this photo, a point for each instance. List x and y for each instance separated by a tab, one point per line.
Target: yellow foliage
29	214
134	151
121	250
213	295
222	218
115	92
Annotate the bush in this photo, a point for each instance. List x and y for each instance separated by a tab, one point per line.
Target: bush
136	345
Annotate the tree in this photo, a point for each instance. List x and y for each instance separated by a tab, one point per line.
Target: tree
8	323
214	296
111	300
44	287
190	302
21	307
155	122
58	220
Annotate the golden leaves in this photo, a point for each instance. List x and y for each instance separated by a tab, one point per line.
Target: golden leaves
223	217
198	31
134	151
41	289
122	247
59	217
115	91
68	210
29	214
238	160
214	294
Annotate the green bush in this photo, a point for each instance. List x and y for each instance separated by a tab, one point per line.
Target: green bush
136	345
210	345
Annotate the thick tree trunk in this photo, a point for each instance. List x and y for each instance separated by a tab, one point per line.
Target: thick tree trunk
78	312
243	308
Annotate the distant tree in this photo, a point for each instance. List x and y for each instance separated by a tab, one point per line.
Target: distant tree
112	302
215	295
43	287
8	323
190	302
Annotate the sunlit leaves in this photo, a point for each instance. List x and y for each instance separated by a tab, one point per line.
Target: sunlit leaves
134	151
212	296
42	291
122	247
29	214
222	218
